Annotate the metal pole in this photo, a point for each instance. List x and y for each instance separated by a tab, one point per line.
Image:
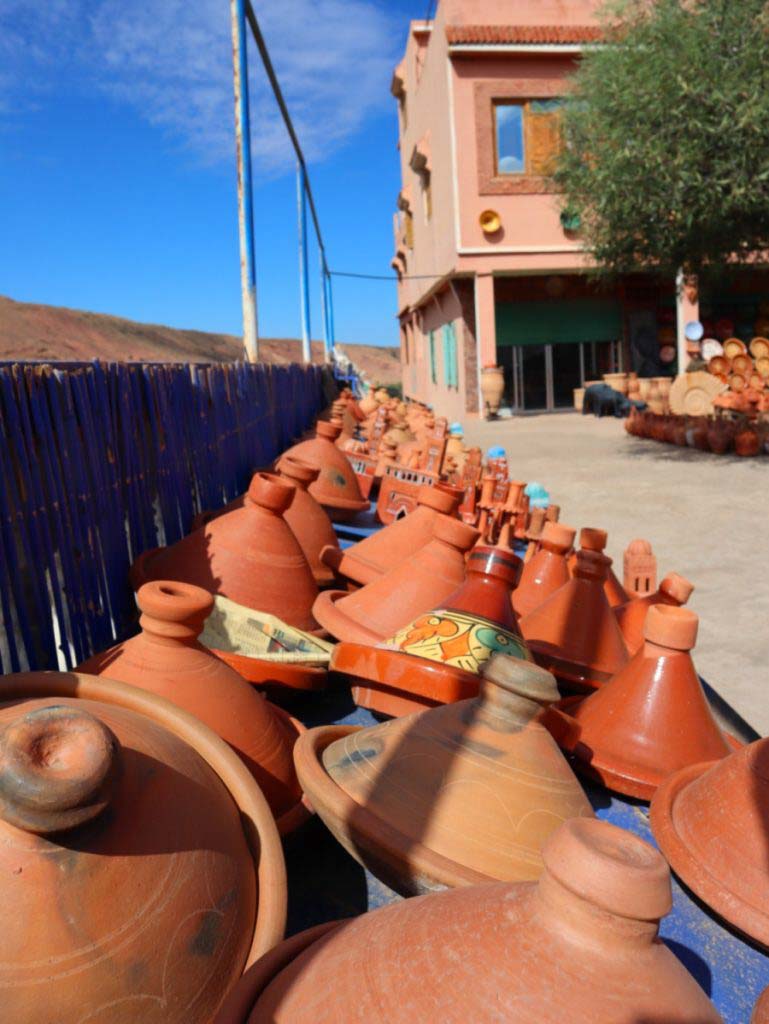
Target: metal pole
245	202
304	287
682	357
330	308
324	309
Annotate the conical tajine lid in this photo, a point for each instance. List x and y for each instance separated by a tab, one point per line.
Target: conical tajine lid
308	520
653	717
574	633
674	590
249	555
711	822
385	549
336	488
580	945
456	795
592	539
547	570
379	609
167	659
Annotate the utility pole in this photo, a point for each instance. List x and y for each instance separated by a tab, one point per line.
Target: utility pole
304	284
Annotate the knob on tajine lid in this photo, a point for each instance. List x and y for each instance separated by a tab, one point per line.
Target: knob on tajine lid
336	488
166	659
249	555
673	590
593	539
452	642
387	548
128	887
450	796
580	945
308	520
710	821
574	633
547	570
652	717
380	608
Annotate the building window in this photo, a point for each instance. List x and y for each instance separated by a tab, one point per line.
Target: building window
450	371
433	360
510	138
527	135
408	229
427	194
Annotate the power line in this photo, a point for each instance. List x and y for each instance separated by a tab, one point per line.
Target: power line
387	277
430	10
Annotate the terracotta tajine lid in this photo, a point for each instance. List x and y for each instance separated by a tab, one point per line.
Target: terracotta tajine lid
129	888
653	717
308	520
547	570
580	945
249	555
710	821
574	633
166	659
383	606
674	590
434	799
337	486
593	539
387	548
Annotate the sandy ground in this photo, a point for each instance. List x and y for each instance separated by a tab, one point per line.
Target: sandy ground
705	515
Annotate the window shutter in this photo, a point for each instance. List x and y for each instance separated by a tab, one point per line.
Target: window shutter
543	140
446	342
433	369
453	356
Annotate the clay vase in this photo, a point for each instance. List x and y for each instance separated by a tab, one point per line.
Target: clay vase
308	520
652	718
492	388
379	609
336	488
166	659
674	590
574	633
432	799
130	886
437	658
385	549
710	821
249	555
547	570
720	437
746	442
593	539
579	945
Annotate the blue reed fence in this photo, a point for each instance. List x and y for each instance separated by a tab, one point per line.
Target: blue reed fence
100	461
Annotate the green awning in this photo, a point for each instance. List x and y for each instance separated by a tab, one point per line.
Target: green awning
555	322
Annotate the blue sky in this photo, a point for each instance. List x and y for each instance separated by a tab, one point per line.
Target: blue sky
117	167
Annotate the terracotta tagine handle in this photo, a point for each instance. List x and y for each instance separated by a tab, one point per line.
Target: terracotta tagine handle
271	493
455	533
671	628
173	612
300	473
327	429
57	766
593	539
677	588
513	692
591	565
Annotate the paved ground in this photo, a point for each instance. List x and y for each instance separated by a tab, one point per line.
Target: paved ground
705	515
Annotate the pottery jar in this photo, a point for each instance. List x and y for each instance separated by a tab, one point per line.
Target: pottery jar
492	388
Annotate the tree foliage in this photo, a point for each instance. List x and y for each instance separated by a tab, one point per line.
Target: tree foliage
666	132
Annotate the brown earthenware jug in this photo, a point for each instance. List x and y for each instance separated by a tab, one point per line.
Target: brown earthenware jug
674	590
580	945
336	488
547	570
167	659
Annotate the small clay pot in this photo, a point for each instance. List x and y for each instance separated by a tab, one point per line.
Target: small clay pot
746	443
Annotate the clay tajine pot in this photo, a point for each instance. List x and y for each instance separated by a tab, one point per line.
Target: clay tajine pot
382	607
436	659
166	659
130	890
249	555
308	520
592	539
574	633
336	488
580	945
547	570
710	821
385	549
652	718
434	799
674	590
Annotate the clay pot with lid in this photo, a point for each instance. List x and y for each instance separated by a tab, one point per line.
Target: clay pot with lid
249	555
380	608
385	549
574	633
308	520
547	570
652	718
437	658
336	488
432	799
141	868
593	539
580	945
674	590
167	659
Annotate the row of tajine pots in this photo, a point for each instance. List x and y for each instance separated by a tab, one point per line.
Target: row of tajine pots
704	433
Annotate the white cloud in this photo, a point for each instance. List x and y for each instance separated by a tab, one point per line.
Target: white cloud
172	62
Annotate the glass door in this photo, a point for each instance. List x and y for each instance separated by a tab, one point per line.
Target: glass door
565	374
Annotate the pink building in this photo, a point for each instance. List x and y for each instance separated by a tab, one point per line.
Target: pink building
491	272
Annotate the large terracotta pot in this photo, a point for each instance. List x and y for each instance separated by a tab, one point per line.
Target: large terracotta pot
492	388
547	570
141	867
336	488
580	945
674	590
167	659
